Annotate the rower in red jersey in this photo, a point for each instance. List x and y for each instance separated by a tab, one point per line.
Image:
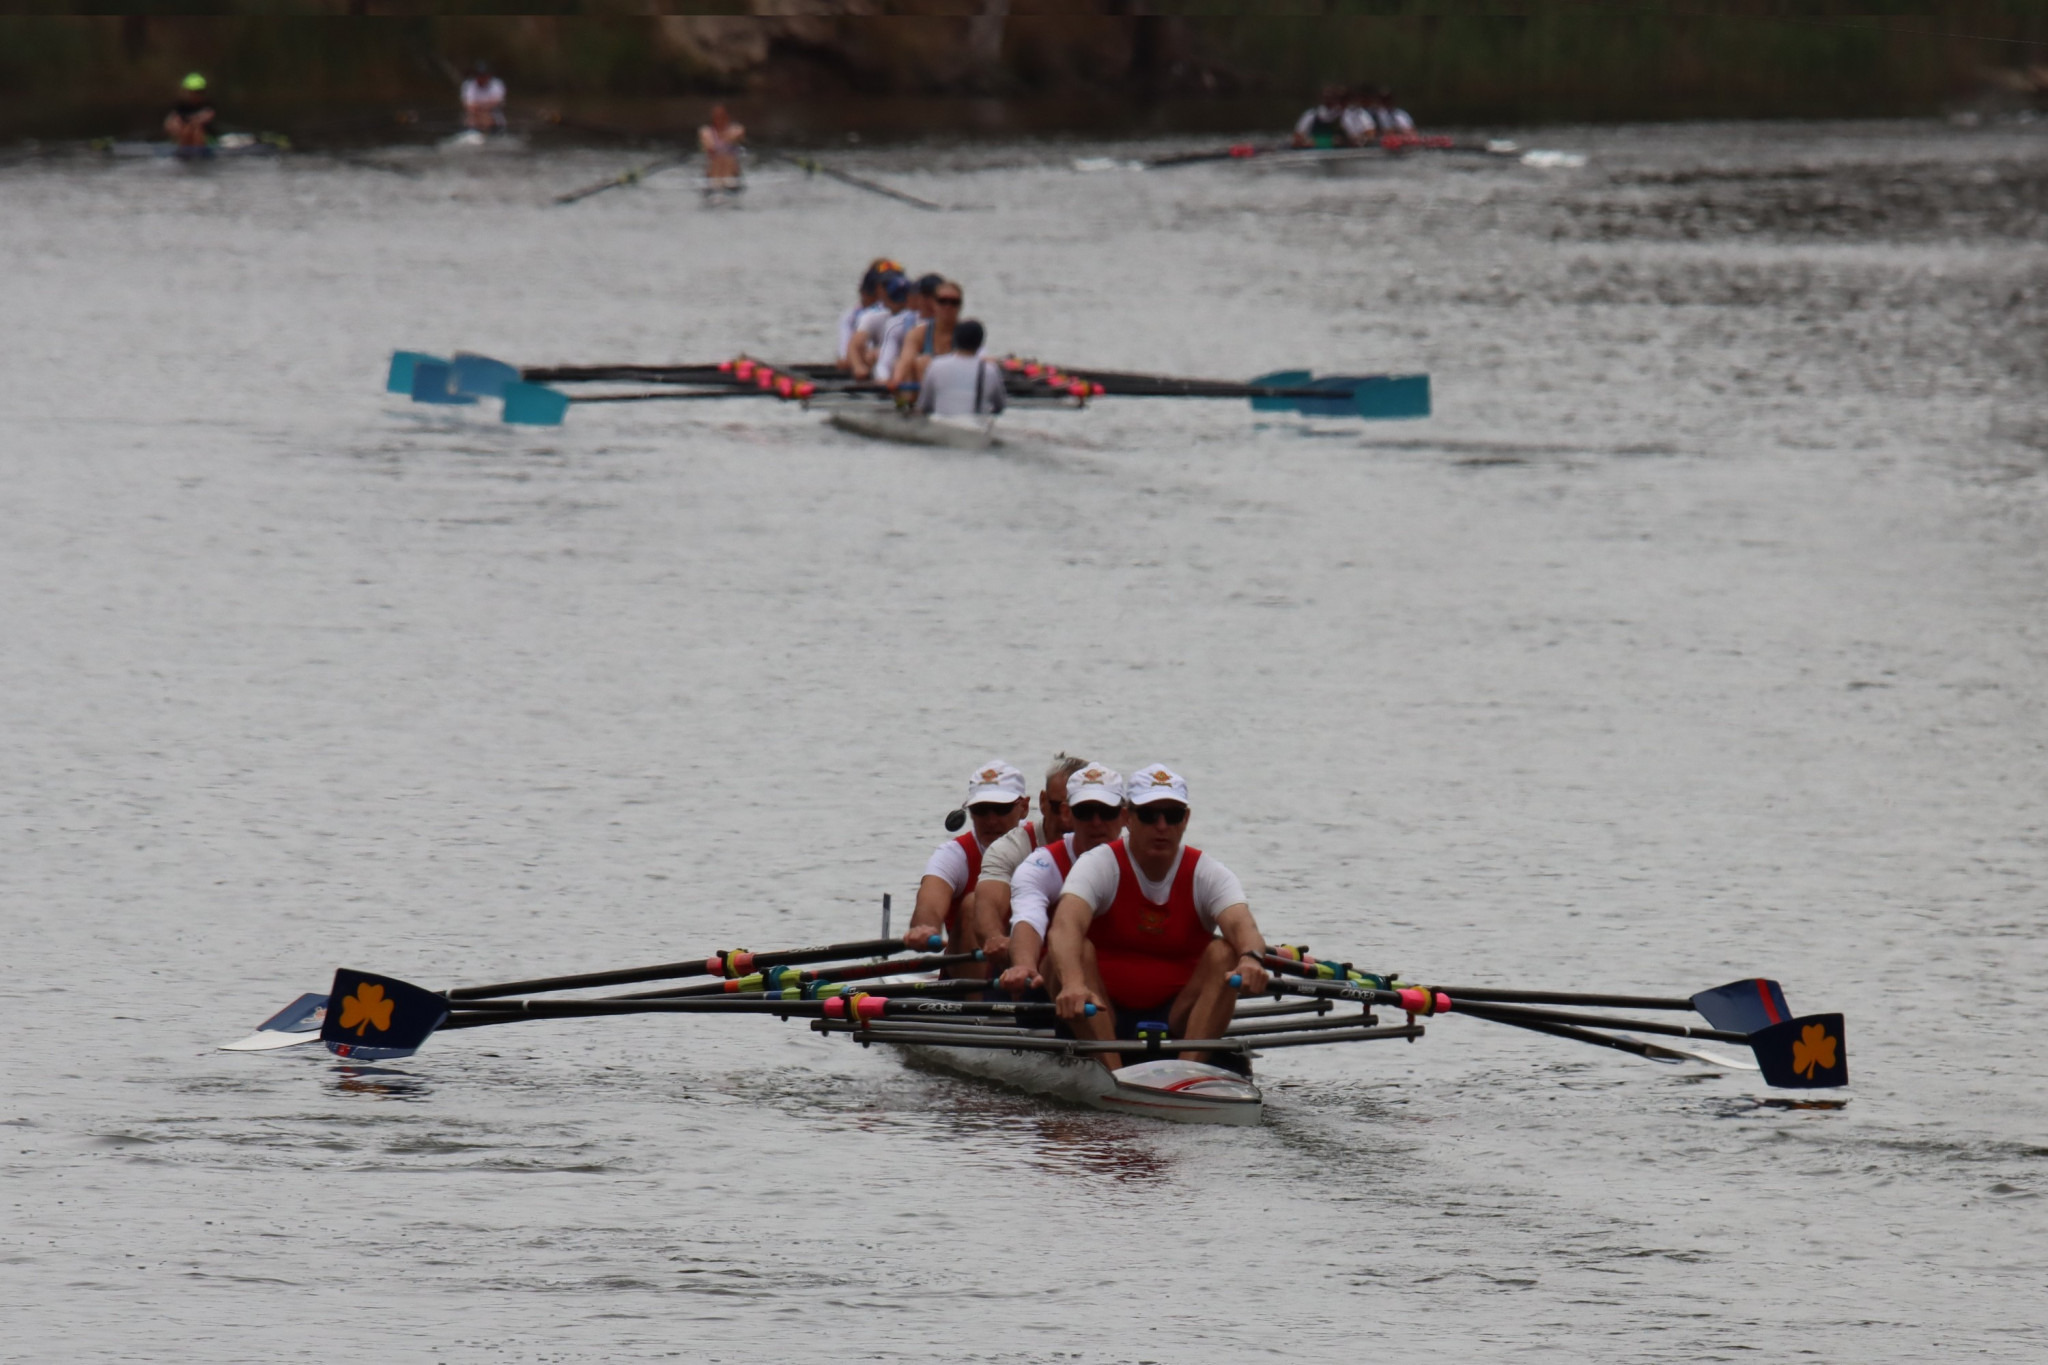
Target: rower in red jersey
999	863
1149	929
995	803
1095	809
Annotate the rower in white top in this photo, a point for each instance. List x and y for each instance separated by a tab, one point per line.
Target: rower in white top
483	101
878	270
1095	808
917	309
995	803
932	337
991	912
864	349
962	384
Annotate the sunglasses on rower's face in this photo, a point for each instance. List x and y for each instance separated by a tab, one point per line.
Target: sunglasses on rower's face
985	809
1152	815
945	302
1095	810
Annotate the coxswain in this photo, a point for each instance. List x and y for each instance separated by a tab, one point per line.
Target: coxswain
722	141
995	803
1095	809
962	384
1323	125
190	122
933	337
870	298
865	349
483	100
1146	927
895	336
991	911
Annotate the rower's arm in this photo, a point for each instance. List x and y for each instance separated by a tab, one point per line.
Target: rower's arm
934	899
906	358
1071	919
1025	947
1241	932
991	912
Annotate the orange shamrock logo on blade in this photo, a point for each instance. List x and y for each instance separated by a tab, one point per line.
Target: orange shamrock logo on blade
1814	1049
367	1008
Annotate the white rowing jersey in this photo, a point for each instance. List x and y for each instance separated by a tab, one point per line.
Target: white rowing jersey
1394	120
1095	877
1358	124
959	385
1035	888
848	322
897	328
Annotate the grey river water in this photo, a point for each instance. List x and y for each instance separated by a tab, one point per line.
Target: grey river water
1700	634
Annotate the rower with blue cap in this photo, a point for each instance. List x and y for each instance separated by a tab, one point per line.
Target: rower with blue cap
865	351
1147	929
870	303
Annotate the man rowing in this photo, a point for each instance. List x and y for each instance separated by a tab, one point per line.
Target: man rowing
721	140
1145	927
962	384
1095	809
1323	125
483	101
995	803
864	351
870	301
991	908
917	309
932	337
190	122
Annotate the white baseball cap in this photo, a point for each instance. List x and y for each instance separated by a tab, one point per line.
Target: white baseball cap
1156	782
1095	783
994	783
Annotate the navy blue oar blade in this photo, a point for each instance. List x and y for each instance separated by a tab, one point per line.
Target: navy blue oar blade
1748	1006
1809	1053
377	1018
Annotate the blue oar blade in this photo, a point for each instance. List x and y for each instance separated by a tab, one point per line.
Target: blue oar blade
1280	379
377	1018
479	376
430	383
1391	396
1749	1006
1808	1053
1340	402
399	380
535	405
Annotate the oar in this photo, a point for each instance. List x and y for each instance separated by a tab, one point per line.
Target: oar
627	177
812	167
783	977
855	1008
1351	395
733	962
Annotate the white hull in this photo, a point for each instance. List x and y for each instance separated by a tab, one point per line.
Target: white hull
915	428
1180	1092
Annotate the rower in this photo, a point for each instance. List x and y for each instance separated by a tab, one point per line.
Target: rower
1392	118
962	384
190	122
932	337
722	141
1146	927
897	333
995	803
870	299
1095	809
864	350
991	916
483	100
1323	125
1359	127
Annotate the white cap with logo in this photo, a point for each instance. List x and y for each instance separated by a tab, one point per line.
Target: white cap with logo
1156	782
994	783
1095	783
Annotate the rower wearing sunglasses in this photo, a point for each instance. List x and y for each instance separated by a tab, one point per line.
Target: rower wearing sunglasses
991	913
1149	929
1095	808
995	803
932	337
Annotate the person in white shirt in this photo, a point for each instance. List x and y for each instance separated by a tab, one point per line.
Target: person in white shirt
962	384
870	300
483	100
1392	118
992	894
1359	127
917	309
1095	808
995	803
1323	125
864	351
1146	929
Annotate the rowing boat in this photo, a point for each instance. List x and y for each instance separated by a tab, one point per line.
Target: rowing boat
1165	1088
915	428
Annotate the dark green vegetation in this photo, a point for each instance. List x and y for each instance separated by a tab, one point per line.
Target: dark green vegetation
1083	67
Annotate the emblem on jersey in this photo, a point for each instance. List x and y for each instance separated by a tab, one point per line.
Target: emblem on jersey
1152	919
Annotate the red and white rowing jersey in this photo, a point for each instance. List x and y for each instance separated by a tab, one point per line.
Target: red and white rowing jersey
958	862
1035	889
1148	935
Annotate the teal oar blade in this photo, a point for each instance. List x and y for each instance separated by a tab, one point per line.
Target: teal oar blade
399	380
378	1018
1391	396
1281	379
480	376
535	405
431	380
1808	1053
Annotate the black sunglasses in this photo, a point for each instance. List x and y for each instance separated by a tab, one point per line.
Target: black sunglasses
991	807
1095	810
1152	815
942	299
